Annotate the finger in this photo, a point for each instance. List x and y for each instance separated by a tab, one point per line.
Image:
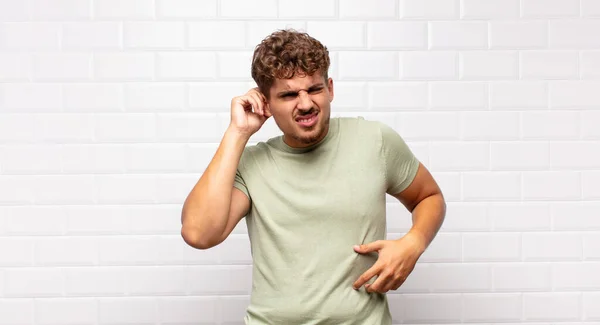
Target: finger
393	285
259	102
365	277
382	281
252	101
370	247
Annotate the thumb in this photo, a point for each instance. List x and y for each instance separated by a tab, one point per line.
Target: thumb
370	247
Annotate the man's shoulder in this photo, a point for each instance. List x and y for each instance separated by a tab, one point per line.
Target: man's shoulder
360	125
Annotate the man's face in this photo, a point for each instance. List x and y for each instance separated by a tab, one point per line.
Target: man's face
301	108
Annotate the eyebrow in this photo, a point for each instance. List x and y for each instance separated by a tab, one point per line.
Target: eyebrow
294	92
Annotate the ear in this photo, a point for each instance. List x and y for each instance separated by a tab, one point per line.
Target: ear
330	87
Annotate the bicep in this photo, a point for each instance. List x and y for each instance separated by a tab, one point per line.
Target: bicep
239	208
423	185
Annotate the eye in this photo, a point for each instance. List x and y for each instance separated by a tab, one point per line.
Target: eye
315	90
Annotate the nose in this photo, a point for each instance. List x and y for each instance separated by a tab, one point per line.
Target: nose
304	101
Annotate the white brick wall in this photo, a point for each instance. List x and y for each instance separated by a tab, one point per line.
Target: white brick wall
111	109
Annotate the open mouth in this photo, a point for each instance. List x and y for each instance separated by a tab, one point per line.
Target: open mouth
307	121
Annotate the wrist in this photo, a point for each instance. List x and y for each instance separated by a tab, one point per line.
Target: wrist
419	240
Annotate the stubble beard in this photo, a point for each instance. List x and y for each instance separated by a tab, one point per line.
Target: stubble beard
311	139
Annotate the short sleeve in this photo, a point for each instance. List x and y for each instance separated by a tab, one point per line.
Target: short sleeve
400	164
239	183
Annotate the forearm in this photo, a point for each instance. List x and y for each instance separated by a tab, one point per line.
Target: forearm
207	206
427	218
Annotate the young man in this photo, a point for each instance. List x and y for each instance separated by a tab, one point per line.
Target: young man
314	198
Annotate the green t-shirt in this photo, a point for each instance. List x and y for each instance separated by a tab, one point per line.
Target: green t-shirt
309	207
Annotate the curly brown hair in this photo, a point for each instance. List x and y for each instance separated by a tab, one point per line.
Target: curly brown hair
286	53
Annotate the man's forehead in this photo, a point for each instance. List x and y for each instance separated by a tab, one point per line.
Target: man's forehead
298	81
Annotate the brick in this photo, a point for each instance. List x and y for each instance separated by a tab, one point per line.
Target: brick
14	11
327	9
224	280
66	311
32	97
91	36
490	9
95	281
486	125
30	36
417	308
590	306
16	190
215	95
66	251
572	34
232	308
352	96
83	97
125	127
62	67
33	282
438	65
155	219
549	9
511	155
222	34
190	310
72	189
257	30
97	158
416	281
475	65
186	8
61	9
189	127
119	9
247	9
566	185
458	35
591	246
549	65
30	159
452	156
590	64
155	96
520	216
518	95
574	94
576	276
339	34
466	217
445	248
492	307
574	155
15	67
97	220
590	184
150	280
491	186
35	220
120	189
360	9
429	9
17	311
234	65
491	247
552	247
518	34
126	310
123	66
522	277
590	8
575	216
556	306
154	35
406	35
386	95
449	183
172	187
550	125
458	95
368	65
155	158
437	126
16	252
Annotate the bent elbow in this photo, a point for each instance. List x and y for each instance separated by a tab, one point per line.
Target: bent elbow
195	238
